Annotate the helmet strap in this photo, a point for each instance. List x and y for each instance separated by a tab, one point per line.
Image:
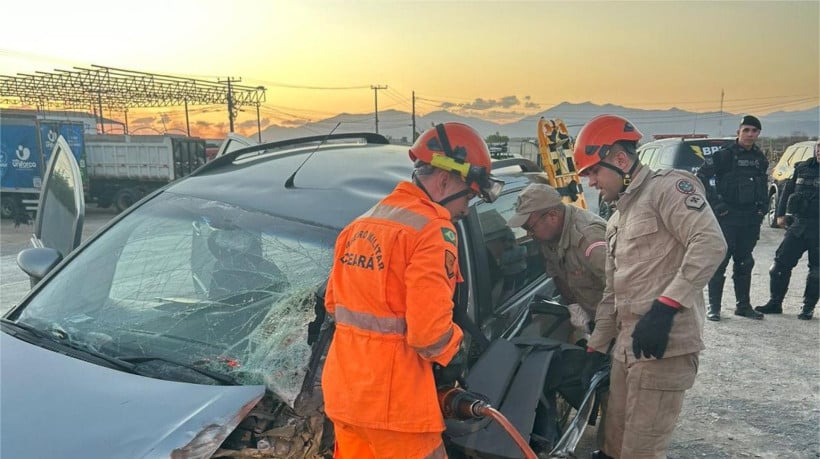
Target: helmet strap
454	196
625	176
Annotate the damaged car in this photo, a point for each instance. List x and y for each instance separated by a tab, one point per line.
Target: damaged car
193	326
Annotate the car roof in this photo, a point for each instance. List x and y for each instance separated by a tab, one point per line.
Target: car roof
677	140
335	182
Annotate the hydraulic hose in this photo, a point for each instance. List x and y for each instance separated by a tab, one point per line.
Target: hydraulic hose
487	410
457	403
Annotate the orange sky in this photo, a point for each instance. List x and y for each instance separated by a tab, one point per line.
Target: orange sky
493	60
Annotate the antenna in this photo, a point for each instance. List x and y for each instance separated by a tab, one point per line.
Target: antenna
289	181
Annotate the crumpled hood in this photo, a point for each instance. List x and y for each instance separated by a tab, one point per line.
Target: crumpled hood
58	406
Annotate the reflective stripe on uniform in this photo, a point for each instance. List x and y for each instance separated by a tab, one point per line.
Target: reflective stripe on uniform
435	349
386	325
369	322
398	215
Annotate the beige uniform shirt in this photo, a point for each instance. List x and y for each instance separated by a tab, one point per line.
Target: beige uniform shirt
663	240
576	262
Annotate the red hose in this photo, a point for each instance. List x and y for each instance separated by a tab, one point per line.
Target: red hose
522	444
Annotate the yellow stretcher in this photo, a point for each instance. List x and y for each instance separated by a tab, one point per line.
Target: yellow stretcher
555	147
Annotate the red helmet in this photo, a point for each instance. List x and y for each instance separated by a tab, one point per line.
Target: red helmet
459	148
597	137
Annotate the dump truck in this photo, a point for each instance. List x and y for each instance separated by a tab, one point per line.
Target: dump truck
122	169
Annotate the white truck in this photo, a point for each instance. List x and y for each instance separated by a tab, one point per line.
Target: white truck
122	169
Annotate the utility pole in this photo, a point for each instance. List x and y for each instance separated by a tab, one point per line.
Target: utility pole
258	123
413	134
187	122
231	108
375	89
720	120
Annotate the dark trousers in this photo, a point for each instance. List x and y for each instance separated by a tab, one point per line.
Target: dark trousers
799	238
741	238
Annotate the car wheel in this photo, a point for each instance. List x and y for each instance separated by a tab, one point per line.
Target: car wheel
770	216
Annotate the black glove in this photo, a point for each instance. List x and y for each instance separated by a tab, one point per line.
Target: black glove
651	334
594	362
720	209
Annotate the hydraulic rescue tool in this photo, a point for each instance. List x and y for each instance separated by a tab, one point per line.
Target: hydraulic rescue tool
457	403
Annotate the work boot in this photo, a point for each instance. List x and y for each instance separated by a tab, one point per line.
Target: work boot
806	313
743	307
778	284
715	297
809	298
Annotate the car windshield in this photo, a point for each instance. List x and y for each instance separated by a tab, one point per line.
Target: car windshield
203	283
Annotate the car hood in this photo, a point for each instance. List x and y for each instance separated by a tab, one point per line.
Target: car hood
58	406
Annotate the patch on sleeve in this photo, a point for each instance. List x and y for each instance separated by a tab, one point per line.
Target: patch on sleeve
588	251
449	235
685	186
695	202
450	263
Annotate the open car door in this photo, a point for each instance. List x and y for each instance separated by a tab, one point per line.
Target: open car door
61	210
233	142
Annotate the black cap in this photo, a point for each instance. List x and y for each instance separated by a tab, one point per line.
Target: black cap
750	120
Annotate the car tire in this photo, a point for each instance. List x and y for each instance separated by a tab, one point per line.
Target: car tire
771	220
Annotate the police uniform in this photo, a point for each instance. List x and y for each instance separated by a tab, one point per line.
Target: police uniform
739	189
576	261
663	240
800	201
390	292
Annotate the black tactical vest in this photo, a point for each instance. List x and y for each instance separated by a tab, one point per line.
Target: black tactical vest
744	186
806	184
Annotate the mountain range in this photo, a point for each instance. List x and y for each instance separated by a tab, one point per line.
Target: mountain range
397	124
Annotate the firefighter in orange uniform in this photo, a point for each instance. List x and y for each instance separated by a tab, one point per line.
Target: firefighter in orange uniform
390	292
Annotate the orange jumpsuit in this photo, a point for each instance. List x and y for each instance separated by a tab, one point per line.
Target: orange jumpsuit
390	292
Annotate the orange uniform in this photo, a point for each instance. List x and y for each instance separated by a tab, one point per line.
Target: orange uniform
390	292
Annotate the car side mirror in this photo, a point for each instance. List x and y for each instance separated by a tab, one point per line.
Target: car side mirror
38	261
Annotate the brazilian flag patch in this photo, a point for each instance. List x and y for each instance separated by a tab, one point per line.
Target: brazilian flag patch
449	235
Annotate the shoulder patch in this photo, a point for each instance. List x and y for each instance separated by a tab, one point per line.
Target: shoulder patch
449	235
695	202
685	186
450	264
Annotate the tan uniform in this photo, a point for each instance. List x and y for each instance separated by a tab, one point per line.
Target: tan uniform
576	261
663	240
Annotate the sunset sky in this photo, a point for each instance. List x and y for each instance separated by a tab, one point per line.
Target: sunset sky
495	60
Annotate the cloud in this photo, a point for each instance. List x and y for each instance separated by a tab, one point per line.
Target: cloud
144	120
291	122
480	104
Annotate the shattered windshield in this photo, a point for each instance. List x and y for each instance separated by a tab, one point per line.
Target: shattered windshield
198	282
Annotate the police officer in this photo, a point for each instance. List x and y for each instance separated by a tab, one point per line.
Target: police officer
663	245
735	179
799	202
390	292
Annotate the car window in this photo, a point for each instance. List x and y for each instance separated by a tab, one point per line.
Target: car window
788	155
802	154
199	282
514	258
666	157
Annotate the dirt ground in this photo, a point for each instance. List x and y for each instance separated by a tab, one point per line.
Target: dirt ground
757	393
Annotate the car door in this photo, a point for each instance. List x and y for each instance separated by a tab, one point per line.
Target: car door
61	209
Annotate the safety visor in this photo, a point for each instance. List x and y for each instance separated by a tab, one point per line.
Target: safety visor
487	186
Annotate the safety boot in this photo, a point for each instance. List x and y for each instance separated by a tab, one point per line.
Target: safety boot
743	307
778	284
715	297
809	298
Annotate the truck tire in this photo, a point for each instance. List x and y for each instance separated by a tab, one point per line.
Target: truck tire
8	206
124	199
